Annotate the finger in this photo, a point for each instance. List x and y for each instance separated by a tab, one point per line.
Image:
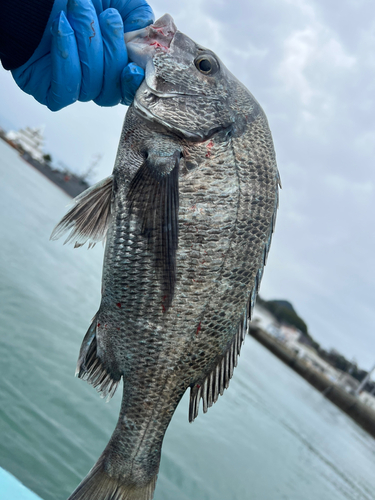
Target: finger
65	66
131	78
35	79
115	57
84	21
136	14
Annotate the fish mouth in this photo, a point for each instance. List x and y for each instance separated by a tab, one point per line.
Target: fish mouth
197	136
142	44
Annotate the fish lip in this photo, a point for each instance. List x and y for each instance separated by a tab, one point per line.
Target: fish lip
142	44
183	133
129	36
154	30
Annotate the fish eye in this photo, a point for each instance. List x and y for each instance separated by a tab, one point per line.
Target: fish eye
206	64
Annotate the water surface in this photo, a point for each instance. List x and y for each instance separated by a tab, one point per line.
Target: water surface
271	436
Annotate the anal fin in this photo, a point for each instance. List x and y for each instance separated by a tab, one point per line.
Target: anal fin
90	367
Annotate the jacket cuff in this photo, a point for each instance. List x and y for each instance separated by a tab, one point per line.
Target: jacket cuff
22	24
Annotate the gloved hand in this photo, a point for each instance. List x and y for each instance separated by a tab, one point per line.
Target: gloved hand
82	55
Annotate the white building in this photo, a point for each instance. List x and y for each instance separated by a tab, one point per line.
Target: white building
290	333
266	321
347	382
312	358
367	398
31	140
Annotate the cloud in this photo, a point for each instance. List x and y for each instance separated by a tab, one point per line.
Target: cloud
311	57
344	187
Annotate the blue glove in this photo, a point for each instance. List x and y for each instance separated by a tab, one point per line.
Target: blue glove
82	55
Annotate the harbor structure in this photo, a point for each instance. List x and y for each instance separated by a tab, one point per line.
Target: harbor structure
364	382
29	140
297	344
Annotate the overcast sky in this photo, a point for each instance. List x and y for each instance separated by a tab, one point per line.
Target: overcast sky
311	65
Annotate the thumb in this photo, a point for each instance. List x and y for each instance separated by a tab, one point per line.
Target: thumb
131	78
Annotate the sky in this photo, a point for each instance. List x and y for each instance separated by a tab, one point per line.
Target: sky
311	66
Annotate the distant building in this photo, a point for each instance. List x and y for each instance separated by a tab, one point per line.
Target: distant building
304	339
301	346
347	382
290	333
266	321
367	398
312	358
29	140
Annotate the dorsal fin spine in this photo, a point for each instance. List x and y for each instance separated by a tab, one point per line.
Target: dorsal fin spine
218	379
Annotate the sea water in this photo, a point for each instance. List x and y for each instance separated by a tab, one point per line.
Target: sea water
270	437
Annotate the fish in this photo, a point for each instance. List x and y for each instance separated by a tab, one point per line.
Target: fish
187	218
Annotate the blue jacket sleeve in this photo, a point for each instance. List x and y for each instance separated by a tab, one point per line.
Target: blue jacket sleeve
22	23
61	51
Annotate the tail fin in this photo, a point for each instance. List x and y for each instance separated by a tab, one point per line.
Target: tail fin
98	485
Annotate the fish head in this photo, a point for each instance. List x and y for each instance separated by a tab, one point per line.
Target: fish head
187	89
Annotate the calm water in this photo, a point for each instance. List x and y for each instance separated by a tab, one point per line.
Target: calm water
270	437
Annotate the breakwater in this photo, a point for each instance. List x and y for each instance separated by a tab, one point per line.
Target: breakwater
352	406
72	184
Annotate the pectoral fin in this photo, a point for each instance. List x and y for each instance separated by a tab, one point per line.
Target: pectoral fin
153	197
88	219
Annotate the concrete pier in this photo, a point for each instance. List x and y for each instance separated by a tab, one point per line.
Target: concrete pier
351	405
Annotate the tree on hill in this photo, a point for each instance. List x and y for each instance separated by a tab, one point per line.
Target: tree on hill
285	313
47	158
337	360
285	304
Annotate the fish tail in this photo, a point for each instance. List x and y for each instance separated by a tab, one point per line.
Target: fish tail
99	485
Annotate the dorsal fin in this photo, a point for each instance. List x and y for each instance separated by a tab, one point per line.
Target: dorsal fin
88	219
218	379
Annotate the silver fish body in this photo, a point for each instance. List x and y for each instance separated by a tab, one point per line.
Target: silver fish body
188	216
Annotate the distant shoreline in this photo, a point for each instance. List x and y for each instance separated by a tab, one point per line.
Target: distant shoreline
71	184
352	406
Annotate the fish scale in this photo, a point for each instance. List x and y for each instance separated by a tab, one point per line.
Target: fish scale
187	215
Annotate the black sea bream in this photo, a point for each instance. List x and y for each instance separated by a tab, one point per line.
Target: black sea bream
187	216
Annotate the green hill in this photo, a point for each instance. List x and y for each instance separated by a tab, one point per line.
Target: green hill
284	312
